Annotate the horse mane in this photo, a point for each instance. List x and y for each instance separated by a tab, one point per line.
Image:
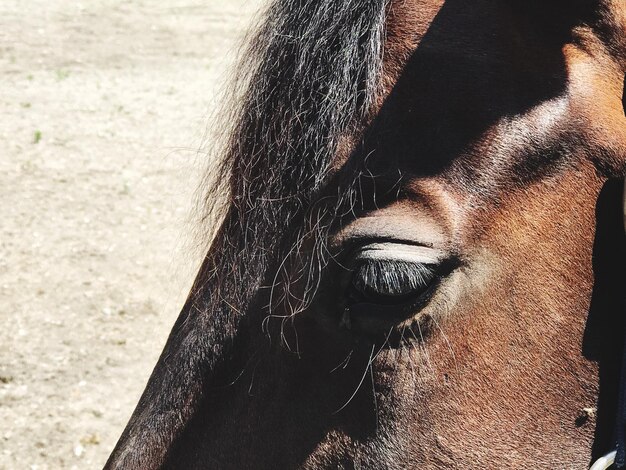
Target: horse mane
309	76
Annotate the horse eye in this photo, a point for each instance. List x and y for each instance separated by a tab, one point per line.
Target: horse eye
389	282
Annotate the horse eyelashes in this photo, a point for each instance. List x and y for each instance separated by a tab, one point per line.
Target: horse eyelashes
391	279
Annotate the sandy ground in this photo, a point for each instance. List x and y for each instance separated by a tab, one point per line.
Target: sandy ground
105	104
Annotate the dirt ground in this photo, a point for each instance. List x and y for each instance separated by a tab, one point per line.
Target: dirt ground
105	104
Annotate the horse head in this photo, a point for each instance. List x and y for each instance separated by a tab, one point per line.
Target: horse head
421	261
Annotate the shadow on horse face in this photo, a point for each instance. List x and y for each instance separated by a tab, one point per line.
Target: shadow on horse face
603	339
478	174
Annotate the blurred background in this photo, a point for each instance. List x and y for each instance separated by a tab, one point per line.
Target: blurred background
106	104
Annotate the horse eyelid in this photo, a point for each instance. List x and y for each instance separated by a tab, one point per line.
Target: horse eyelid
392	277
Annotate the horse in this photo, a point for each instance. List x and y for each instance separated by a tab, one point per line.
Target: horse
420	260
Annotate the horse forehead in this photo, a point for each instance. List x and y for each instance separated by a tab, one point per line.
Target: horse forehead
470	79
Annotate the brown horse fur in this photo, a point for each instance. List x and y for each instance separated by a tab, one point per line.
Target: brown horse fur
489	131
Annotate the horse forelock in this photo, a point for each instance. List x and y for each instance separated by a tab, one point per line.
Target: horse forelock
309	77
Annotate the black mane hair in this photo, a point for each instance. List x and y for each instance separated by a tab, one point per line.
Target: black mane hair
310	74
309	77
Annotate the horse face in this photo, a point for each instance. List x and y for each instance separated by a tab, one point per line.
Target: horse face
468	312
468	263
